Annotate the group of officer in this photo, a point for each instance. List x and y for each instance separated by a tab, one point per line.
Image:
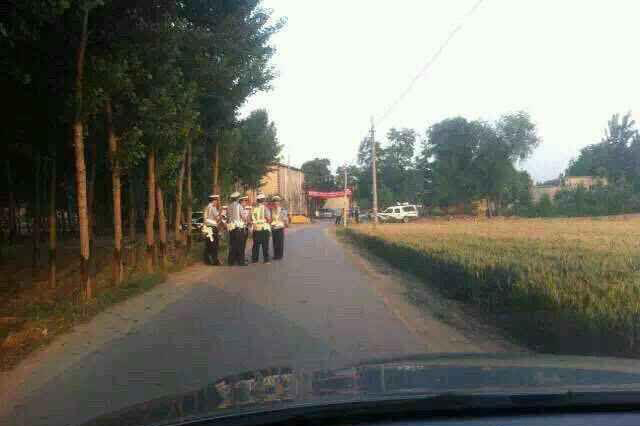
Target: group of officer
263	221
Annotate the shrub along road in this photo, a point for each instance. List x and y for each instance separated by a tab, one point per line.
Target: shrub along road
321	307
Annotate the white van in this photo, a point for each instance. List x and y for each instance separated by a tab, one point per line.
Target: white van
401	213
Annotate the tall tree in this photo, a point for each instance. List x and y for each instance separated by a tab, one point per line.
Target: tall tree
397	166
256	142
317	175
453	145
79	152
112	141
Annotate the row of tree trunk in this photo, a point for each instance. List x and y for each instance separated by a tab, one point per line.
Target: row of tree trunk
155	198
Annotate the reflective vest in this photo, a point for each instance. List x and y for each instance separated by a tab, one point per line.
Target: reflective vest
277	222
259	218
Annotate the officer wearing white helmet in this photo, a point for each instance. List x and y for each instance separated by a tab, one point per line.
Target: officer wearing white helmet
212	221
278	222
246	216
235	226
260	219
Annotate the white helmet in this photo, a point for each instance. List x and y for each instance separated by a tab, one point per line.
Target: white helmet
260	197
234	195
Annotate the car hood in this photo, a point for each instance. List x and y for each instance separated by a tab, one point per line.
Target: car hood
469	374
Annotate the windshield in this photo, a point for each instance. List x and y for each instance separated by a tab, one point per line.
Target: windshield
502	136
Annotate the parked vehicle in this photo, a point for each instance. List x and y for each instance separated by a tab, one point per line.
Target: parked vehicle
400	213
197	220
325	214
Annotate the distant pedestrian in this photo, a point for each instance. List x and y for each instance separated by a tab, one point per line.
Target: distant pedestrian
339	218
260	218
210	228
236	226
278	222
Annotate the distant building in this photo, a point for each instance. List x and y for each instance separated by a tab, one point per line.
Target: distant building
552	187
588	182
538	191
288	183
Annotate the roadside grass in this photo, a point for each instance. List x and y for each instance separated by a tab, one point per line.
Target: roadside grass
35	316
568	286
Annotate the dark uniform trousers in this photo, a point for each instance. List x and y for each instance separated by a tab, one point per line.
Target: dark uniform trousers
260	239
211	249
236	246
245	237
278	243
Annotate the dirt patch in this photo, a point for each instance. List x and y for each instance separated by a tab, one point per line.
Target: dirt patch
446	325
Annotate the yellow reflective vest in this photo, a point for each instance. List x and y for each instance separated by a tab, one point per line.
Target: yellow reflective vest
259	216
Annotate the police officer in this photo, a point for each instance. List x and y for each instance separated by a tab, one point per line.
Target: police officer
260	218
278	222
246	216
235	226
210	228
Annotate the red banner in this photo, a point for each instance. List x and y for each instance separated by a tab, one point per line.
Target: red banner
335	194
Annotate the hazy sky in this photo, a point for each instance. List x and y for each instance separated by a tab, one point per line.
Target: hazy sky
570	64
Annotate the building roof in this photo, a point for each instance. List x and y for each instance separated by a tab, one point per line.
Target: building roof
287	167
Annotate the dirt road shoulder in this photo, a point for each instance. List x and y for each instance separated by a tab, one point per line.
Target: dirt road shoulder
443	324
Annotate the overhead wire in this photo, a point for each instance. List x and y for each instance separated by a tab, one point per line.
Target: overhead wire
429	63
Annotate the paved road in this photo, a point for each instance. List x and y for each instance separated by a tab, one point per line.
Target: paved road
316	308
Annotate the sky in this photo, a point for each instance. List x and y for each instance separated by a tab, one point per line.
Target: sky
570	64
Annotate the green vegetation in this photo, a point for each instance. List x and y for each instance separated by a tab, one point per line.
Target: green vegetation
617	158
126	113
557	285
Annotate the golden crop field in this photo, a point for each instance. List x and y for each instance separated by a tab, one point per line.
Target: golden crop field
557	285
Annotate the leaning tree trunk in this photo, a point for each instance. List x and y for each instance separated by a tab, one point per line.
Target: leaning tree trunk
52	225
132	223
162	226
91	195
178	210
151	210
189	195
35	260
112	141
81	170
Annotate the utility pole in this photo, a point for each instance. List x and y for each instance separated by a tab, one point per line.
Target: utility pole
346	198
374	174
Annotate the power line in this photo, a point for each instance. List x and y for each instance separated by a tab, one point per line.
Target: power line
430	62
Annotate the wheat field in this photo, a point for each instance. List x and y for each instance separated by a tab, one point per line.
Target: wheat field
556	285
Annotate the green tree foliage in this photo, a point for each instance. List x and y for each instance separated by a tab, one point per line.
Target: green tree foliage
616	157
467	160
256	143
318	176
175	74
